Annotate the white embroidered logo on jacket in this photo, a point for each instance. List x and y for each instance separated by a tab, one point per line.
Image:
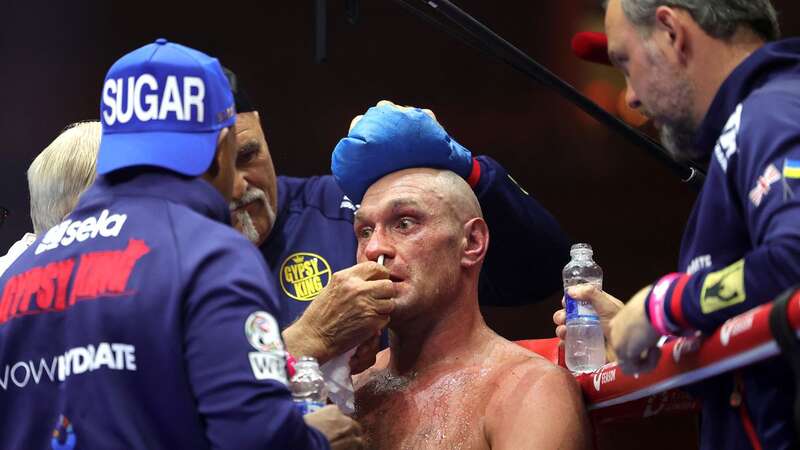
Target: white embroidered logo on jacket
726	144
68	231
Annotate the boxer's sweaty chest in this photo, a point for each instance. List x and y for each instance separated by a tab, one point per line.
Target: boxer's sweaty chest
444	410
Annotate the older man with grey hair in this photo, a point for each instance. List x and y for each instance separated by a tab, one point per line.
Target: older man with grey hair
56	178
724	95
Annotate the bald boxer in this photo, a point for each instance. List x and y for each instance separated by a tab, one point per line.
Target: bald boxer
447	380
303	227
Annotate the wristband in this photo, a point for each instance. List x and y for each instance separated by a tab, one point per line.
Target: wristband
475	174
654	305
674	307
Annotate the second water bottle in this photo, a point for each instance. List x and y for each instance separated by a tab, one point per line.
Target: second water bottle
584	344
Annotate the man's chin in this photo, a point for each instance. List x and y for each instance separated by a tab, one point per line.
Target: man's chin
405	310
679	144
261	220
243	223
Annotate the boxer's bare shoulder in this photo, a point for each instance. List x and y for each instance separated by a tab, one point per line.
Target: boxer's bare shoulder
538	405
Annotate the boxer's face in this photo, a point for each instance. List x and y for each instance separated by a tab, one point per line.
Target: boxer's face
656	85
403	217
255	193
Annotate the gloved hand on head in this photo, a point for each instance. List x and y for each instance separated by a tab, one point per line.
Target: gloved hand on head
389	138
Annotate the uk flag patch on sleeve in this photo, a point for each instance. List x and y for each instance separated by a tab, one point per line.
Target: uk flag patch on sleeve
765	181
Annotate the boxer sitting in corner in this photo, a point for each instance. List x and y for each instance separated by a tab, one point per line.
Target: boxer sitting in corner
447	380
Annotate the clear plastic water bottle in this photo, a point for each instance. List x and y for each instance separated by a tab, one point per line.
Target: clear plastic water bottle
308	386
585	348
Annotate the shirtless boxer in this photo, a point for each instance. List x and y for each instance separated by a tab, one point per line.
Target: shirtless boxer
447	380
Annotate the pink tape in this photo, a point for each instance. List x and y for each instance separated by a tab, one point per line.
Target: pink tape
658	318
290	363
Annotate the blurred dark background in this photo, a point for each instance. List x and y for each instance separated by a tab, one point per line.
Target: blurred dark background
603	190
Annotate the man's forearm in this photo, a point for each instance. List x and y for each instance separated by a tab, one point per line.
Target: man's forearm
302	341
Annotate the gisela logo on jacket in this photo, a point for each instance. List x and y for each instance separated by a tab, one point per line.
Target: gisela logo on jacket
68	231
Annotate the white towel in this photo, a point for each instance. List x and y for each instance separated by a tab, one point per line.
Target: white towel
339	383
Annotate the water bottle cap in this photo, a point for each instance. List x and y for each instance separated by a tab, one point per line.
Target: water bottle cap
307	362
581	249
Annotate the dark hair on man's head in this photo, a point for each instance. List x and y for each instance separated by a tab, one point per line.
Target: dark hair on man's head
243	103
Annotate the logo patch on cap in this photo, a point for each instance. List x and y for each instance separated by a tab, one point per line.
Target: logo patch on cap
180	98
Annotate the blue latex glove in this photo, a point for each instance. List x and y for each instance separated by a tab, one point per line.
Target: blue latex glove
388	139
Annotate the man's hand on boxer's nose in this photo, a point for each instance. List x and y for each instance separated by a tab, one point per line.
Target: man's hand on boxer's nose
633	338
352	308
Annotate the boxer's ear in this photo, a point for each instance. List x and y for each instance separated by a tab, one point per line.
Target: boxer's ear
476	238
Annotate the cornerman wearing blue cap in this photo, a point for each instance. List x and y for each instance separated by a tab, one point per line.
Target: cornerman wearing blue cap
143	320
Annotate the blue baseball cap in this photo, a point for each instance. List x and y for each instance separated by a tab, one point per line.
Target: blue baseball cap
163	105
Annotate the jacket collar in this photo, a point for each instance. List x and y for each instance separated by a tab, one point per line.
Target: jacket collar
765	63
194	193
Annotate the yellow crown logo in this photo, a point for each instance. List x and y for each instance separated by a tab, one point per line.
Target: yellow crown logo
298	259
